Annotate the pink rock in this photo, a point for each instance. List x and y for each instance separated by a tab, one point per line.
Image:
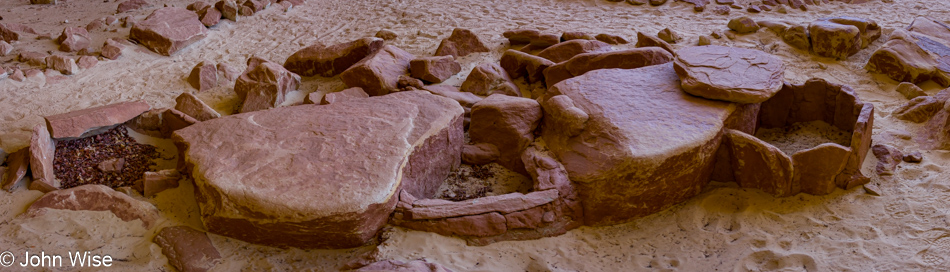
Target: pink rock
743	25
544	41
111	165
527	219
256	5
91	121
644	40
209	16
731	74
623	59
204	76
411	266
63	64
521	36
815	169
434	69
96	198
17	75
611	39
668	35
834	40
386	35
7	34
86	62
229	9
797	36
562	111
131	5
412	139
910	90
567	50
197	5
156	182
546	172
17	164
489	78
461	43
378	74
33	58
478	154
868	28
42	185
507	122
229	73
264	84
42	150
73	39
187	249
467	100
332	60
96	24
520	64
112	49
919	109
488	224
346	94
507	203
567	36
168	30
172	120
5	48
192	106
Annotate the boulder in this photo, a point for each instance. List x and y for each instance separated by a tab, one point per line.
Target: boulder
919	109
573	35
42	151
264	84
902	60
797	36
758	165
5	48
208	15
834	40
914	157
332	60
63	64
731	74
611	39
567	50
644	40
461	43
33	58
230	73
888	158
129	5
434	69
489	78
508	123
86	62
478	154
868	28
521	64
204	76
411	140
543	41
408	83
386	35
910	90
467	100
743	25
344	95
656	152
92	121
168	30
623	59
189	104
95	197
378	74
187	249
668	35
521	36
112	49
398	266
73	39
229	9
17	163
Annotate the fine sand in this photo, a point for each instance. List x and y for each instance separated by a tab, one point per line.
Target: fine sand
725	228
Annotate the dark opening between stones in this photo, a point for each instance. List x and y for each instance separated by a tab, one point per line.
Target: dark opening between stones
77	161
474	181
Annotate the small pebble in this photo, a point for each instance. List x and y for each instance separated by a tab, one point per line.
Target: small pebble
914	157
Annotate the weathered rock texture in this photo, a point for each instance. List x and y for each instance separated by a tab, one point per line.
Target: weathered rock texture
187	249
434	69
42	150
355	158
379	73
567	50
96	198
461	43
508	123
264	85
920	53
91	121
192	106
489	78
332	60
729	74
168	30
623	59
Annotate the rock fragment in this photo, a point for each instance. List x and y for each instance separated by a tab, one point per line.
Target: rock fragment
434	69
204	76
331	60
461	43
379	73
168	30
264	85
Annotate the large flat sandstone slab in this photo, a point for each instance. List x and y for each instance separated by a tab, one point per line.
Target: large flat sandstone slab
641	145
322	176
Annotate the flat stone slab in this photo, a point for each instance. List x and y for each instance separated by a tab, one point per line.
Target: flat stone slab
168	30
91	121
729	74
283	178
644	146
94	197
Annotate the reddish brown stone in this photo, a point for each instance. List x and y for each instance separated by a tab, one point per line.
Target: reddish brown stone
816	168
466	99
544	41
868	28
434	69
611	39
668	35
156	182
919	110
346	94
129	5
461	43
386	35
834	40
192	106
488	224
112	49
478	154
332	60
73	39
743	25
412	139
17	164
42	150
910	90
33	58
427	209
759	165
204	76
111	165
96	198
644	40
63	64
547	173
91	121
520	64
567	36
408	83
731	74
507	122
379	73
86	62
888	158
397	266
521	36
168	30
256	5
209	16
229	9
264	85
797	36
172	120
566	50
527	219
7	34
5	48
187	249
489	78
623	59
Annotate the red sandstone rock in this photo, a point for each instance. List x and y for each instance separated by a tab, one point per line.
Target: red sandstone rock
378	74
521	36
209	15
91	121
33	58
5	48
42	150
644	40
17	75
187	249
611	39
204	76
256	5
797	36
507	122
434	69
168	30
192	106
466	99
131	5
408	83
759	165
346	94
18	163
520	64
397	266
173	120
197	5
264	85
412	141
834	40
507	203
868	28
112	49
919	110
111	165
547	173
156	182
73	39
478	154
489	78
63	64
902	60
229	9
96	24
461	43
743	25
657	152
566	50
815	169
910	90
86	62
668	35
229	73
567	36
888	158
43	186
544	41
562	111
96	198
488	224
332	60
731	74
623	59
386	35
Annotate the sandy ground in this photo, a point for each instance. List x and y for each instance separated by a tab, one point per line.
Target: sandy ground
725	228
